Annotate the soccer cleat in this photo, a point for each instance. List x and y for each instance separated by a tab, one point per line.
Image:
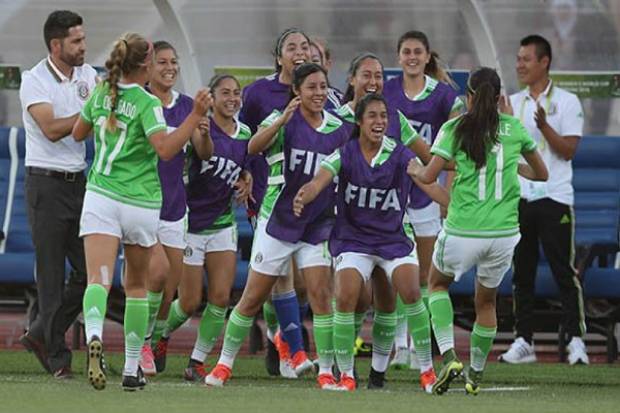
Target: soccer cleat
577	352
147	361
272	360
300	363
218	376
401	358
327	381
450	371
520	352
376	379
427	379
286	366
96	370
414	364
159	354
195	371
347	383
133	383
472	381
362	348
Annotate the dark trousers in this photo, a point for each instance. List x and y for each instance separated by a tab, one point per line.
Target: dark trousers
551	223
54	209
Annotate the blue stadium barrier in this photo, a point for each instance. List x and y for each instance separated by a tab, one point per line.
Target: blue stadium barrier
16	249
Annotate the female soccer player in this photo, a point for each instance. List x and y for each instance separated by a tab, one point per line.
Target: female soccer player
482	227
212	232
167	258
123	194
260	99
424	95
366	76
373	190
295	142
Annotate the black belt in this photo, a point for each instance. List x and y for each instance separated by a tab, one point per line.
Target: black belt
64	175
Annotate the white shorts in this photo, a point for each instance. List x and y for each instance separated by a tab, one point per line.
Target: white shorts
365	263
456	255
272	256
172	233
131	224
426	221
198	245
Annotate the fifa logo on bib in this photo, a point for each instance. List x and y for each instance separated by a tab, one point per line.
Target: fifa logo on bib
309	161
372	198
225	169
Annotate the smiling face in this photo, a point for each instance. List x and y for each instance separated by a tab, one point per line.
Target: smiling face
315	55
368	78
529	68
374	122
226	98
413	57
294	51
165	69
313	92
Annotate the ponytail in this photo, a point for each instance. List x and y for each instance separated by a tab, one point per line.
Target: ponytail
477	130
435	69
130	53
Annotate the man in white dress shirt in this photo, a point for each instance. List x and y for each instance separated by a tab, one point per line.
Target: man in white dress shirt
554	118
52	94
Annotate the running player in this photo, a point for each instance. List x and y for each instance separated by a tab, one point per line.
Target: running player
296	141
373	191
366	76
123	194
260	99
482	227
167	259
424	95
212	232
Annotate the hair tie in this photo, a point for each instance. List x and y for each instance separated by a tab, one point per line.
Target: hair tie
125	41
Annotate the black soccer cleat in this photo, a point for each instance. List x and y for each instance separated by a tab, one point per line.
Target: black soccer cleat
133	383
272	359
376	380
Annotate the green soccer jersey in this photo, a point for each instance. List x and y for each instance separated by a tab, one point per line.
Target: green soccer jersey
125	164
484	202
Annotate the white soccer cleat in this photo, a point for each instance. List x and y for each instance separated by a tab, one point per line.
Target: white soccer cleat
401	358
577	352
520	352
286	370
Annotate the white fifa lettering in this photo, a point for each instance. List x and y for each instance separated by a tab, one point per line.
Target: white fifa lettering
376	196
349	193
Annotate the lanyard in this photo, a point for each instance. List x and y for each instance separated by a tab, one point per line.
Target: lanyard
547	107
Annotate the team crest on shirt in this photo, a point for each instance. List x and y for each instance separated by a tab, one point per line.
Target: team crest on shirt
188	252
339	259
82	90
259	258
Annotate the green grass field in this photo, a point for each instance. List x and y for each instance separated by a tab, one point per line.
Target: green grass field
534	388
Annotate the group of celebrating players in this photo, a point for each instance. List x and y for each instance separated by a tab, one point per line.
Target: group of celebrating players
343	193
